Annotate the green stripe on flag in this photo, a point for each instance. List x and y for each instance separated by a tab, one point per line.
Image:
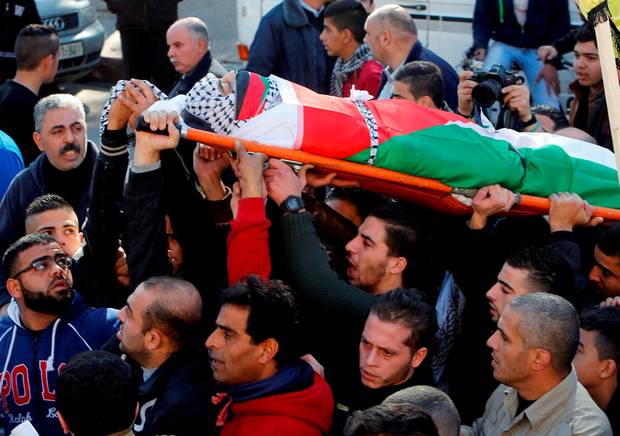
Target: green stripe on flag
461	157
266	83
454	155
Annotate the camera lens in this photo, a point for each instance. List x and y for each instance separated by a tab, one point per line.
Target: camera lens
487	92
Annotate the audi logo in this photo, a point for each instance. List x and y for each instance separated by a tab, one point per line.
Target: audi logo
56	22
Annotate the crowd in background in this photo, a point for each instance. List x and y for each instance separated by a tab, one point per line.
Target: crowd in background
153	285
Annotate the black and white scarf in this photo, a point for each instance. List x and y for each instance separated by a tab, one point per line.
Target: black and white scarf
204	101
342	69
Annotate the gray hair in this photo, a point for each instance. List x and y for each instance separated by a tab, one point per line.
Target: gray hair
397	17
549	322
195	26
435	403
56	101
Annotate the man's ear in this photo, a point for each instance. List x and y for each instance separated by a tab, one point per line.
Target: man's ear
269	348
153	339
386	37
63	423
426	102
398	265
608	369
14	288
541	359
37	140
48	61
203	46
418	357
347	36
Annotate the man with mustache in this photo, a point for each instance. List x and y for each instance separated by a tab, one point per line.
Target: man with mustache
47	324
65	166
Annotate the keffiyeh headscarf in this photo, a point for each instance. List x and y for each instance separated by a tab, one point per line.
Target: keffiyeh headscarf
205	101
342	69
116	90
215	112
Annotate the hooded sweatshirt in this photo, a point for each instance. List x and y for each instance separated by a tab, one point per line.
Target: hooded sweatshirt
31	361
279	406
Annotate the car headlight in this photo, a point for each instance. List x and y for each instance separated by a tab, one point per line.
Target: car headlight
88	16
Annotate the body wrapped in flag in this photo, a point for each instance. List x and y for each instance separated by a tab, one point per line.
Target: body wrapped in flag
401	136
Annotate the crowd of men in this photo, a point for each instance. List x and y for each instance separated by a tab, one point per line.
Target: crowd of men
151	285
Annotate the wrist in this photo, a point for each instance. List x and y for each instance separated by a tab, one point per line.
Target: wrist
526	116
464	112
477	222
144	155
214	192
560	227
252	192
116	124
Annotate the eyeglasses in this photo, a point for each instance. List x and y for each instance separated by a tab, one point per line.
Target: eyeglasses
44	263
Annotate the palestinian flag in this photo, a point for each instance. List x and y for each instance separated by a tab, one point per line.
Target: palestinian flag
405	137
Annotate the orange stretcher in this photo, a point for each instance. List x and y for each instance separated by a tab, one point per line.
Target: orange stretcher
426	192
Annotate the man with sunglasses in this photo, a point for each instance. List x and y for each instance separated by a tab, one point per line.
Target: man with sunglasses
47	324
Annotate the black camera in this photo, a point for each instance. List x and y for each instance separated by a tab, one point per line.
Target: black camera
490	84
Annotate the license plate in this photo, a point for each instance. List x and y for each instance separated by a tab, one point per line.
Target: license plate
73	50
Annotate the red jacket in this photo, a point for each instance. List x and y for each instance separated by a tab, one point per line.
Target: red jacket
368	78
303	413
248	241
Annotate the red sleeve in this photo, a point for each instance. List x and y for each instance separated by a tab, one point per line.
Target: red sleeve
370	77
248	241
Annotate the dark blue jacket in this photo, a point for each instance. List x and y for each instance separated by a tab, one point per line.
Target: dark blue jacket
450	78
546	21
287	45
31	362
25	187
186	82
176	398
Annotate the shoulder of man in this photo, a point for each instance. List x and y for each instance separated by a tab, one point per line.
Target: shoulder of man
586	417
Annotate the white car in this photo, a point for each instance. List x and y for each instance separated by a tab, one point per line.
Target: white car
444	26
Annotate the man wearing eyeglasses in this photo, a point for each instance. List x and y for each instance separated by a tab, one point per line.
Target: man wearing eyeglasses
47	324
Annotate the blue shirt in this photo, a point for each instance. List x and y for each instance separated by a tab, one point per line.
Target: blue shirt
11	161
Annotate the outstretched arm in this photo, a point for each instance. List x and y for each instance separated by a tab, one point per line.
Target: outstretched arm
248	241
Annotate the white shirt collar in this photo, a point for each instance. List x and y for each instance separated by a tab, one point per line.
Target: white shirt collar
311	9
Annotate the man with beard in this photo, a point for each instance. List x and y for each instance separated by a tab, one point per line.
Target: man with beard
160	325
65	166
47	324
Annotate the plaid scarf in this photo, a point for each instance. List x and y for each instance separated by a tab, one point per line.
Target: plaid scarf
342	69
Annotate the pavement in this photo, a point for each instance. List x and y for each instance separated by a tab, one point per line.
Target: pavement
220	16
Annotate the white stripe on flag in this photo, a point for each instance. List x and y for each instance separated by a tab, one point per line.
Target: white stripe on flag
573	147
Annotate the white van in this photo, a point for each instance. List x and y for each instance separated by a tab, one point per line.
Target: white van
444	26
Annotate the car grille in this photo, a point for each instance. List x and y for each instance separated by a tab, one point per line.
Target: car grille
62	23
76	62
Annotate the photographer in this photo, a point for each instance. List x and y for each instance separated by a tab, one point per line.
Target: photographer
515	98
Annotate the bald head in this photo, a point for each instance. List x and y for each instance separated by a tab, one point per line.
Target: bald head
194	25
395	19
548	322
435	403
188	42
175	309
575	133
